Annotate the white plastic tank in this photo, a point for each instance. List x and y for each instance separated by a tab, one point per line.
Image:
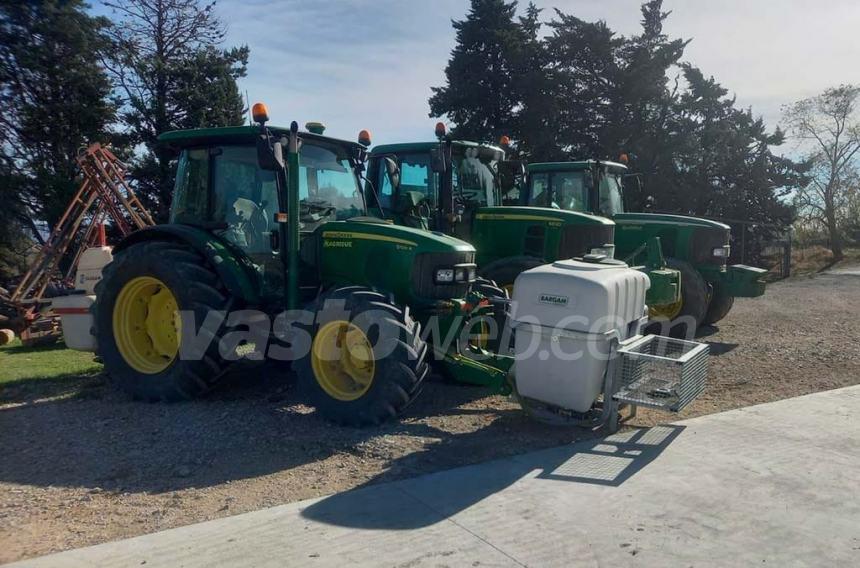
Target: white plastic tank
90	266
565	316
76	320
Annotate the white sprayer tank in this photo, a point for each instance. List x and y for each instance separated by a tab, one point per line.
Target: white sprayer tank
74	309
565	316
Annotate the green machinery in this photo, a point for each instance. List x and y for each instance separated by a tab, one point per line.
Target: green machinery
269	252
455	187
698	248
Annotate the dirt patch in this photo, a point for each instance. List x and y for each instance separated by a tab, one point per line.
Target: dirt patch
84	465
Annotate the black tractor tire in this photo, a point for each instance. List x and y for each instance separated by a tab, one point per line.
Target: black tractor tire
499	298
694	297
196	288
399	354
720	306
505	271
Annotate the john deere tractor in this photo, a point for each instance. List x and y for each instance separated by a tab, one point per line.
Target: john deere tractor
698	248
270	224
454	187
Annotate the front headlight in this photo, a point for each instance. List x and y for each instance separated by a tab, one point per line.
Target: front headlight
465	273
606	250
444	276
722	252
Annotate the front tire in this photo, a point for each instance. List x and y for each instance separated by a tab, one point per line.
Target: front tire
137	321
720	306
684	318
366	363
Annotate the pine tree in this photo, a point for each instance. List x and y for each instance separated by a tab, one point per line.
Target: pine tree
54	98
480	95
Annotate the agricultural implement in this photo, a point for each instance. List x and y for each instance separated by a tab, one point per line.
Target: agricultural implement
104	196
698	248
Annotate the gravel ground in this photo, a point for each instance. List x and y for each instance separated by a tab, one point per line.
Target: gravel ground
83	465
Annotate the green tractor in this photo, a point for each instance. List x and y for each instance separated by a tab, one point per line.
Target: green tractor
698	248
455	187
269	252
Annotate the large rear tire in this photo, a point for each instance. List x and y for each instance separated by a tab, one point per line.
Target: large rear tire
684	318
138	326
720	306
366	362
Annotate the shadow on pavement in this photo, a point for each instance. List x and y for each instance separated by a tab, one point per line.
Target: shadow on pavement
97	438
416	503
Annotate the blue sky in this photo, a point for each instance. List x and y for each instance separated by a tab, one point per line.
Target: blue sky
357	64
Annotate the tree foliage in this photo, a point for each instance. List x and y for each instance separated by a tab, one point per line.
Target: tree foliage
53	100
167	62
830	125
583	91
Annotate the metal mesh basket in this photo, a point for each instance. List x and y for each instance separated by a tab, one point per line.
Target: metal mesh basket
662	372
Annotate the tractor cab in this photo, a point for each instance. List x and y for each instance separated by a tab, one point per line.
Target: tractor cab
419	185
223	187
586	186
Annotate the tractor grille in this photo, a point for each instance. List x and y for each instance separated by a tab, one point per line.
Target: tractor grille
703	243
578	240
425	267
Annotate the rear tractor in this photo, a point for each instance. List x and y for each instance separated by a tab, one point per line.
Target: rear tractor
698	248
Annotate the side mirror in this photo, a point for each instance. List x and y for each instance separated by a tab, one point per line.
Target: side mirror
269	157
392	171
437	162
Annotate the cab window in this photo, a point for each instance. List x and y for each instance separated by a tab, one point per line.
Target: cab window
416	175
191	192
539	190
610	196
569	191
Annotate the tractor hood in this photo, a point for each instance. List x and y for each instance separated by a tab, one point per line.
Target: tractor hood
546	214
383	231
664	219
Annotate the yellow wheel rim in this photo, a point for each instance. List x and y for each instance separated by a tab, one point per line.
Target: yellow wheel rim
666	311
342	360
146	325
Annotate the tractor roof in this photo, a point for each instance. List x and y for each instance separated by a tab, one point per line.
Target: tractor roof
425	146
574	166
233	134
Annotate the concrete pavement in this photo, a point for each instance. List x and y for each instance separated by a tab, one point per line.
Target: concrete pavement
771	485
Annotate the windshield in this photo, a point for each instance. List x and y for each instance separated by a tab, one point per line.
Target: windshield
327	183
560	190
570	191
610	200
476	175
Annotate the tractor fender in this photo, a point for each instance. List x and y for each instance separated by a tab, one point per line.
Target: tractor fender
233	268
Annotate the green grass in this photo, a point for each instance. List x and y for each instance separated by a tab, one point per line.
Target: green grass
29	373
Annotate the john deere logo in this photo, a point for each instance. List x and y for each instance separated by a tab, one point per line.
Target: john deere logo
552	300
